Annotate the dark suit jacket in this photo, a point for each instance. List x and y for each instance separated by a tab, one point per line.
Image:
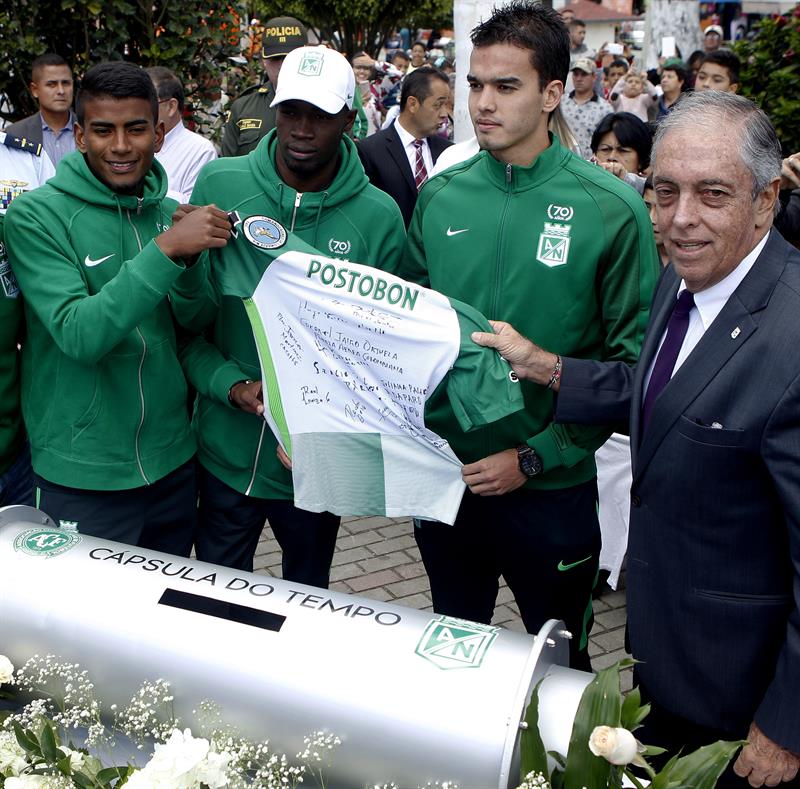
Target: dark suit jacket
386	165
714	546
30	128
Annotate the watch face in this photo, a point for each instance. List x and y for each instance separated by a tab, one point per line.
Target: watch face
529	462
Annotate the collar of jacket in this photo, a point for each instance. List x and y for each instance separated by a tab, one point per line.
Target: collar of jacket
75	178
349	180
545	165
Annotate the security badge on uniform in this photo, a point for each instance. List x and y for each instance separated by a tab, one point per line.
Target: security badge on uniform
12	188
553	249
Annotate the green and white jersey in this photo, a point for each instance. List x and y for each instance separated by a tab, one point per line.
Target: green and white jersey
350	355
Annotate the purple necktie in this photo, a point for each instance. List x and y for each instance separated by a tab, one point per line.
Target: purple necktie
420	171
668	353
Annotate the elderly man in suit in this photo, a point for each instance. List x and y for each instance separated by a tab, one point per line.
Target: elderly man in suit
399	159
714	547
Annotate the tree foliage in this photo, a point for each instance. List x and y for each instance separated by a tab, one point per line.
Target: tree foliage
771	74
352	25
191	39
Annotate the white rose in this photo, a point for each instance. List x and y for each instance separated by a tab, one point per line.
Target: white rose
6	670
617	746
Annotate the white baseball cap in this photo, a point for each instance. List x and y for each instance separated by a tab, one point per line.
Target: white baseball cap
318	75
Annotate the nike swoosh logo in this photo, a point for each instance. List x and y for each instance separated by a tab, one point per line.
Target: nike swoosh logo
562	566
89	262
451	232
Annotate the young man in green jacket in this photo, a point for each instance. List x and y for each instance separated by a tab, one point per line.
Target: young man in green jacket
527	232
307	176
103	395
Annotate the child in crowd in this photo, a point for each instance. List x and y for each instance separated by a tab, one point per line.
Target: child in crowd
634	93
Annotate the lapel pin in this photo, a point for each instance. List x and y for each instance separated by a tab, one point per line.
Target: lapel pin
736	332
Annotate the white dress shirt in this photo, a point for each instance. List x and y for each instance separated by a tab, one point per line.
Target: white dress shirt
708	304
411	151
182	155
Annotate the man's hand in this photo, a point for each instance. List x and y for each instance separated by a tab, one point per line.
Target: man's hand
248	397
196	229
285	460
790	172
494	475
764	762
527	359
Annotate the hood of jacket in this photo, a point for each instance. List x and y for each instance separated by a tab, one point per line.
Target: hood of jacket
73	177
349	180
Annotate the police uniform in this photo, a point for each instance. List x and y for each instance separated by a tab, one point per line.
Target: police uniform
249	119
250	116
23	166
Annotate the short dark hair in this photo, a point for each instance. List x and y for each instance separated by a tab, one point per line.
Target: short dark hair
48	59
679	68
419	43
116	79
616	63
576	23
418	84
398	53
631	132
530	26
727	59
168	86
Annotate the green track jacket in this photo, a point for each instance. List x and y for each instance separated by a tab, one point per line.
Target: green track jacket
351	220
563	251
103	394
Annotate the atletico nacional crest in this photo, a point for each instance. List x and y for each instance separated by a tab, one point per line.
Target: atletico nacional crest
553	247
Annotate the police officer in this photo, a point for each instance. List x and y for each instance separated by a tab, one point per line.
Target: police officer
23	166
251	116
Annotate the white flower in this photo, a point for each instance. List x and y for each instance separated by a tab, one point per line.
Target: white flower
12	757
6	670
25	782
182	762
615	745
76	758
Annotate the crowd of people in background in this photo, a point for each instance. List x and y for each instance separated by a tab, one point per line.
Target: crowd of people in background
137	222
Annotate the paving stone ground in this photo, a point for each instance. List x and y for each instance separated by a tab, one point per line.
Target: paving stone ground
377	557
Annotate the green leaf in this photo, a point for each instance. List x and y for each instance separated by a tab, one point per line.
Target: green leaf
633	713
108	774
600	705
82	781
64	765
531	748
558	758
662	780
702	769
49	745
27	740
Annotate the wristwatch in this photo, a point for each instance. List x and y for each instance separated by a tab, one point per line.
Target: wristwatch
530	464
